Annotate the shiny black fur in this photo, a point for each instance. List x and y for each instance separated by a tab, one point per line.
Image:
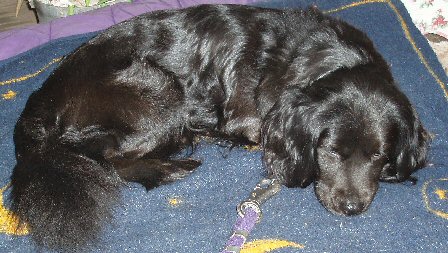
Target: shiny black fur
310	89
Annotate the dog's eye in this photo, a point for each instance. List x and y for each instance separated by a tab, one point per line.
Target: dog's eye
330	152
333	152
376	156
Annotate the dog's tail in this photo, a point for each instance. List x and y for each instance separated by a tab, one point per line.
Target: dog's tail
63	196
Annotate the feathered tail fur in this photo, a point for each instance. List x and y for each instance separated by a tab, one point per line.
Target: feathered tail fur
64	196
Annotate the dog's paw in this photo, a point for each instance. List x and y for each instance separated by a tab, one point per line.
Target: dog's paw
187	165
178	169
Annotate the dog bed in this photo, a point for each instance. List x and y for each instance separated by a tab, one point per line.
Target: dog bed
197	214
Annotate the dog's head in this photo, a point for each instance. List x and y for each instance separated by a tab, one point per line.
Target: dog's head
346	132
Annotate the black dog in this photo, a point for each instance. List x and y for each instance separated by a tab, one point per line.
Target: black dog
310	89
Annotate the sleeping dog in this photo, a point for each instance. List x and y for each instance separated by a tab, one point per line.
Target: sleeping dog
310	90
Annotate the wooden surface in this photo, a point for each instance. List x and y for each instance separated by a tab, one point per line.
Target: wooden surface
8	19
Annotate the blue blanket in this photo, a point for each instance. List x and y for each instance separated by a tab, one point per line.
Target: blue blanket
197	214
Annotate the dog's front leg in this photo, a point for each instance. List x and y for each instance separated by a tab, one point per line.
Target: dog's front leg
154	172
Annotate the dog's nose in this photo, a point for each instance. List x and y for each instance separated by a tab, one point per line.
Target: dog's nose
352	207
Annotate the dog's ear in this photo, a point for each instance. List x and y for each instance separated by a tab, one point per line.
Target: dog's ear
411	148
289	140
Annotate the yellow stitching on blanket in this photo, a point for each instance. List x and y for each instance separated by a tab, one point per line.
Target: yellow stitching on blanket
175	201
267	245
355	4
9	222
441	194
419	53
9	95
408	36
26	77
427	200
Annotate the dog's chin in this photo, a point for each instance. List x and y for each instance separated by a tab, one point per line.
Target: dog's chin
332	203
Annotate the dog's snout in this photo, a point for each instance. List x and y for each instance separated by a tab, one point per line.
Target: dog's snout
351	206
348	202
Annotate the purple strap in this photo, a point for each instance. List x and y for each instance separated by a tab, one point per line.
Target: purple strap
250	213
241	230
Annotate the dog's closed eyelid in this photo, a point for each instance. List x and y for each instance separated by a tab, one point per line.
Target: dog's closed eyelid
331	151
377	155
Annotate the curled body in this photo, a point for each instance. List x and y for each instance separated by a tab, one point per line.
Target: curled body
311	90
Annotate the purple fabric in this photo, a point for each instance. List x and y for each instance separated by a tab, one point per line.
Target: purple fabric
236	240
247	222
243	224
16	41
